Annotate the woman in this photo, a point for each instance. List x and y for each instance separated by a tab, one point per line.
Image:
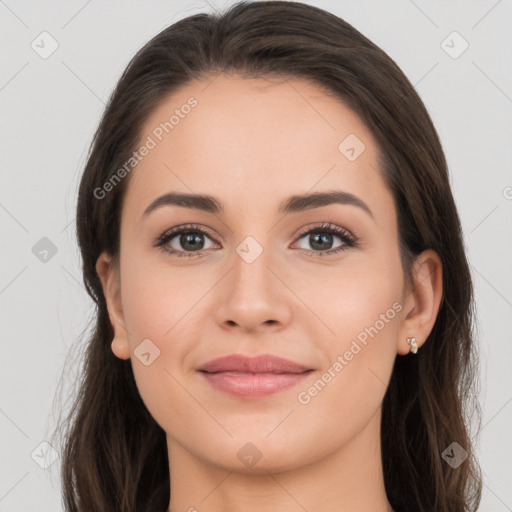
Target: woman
284	305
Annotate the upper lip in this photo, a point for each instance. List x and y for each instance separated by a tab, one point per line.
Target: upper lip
264	363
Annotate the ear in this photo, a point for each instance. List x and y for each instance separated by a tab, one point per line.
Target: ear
108	272
422	302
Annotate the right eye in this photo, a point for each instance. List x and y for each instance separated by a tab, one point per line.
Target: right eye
191	240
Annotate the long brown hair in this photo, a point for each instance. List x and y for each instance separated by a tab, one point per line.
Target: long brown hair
114	454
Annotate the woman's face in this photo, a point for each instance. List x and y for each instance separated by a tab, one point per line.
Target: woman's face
254	282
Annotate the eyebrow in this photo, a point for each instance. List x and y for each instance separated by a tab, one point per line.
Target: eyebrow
296	203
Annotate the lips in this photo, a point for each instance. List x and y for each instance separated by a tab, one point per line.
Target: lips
264	363
253	377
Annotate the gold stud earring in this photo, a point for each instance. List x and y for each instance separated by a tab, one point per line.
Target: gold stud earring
413	344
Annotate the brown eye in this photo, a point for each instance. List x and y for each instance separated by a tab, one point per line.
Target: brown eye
321	239
184	241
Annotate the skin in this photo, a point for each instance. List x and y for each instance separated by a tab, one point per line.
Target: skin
252	143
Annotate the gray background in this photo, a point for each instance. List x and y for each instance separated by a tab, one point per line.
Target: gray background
50	109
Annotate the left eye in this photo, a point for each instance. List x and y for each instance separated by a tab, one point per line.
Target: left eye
319	240
321	236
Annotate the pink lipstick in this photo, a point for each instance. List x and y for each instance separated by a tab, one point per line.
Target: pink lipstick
253	377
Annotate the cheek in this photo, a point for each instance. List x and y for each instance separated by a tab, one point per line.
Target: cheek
366	299
153	321
362	308
156	299
158	304
354	297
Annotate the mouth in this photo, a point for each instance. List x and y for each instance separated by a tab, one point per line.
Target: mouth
253	385
253	377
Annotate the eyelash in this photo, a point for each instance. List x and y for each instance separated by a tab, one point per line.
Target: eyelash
349	240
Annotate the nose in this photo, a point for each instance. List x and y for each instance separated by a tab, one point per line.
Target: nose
252	296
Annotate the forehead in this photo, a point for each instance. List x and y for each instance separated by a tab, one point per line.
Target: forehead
252	142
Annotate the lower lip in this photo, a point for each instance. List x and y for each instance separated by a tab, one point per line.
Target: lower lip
253	385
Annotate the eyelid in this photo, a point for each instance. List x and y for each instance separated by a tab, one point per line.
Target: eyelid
328	226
